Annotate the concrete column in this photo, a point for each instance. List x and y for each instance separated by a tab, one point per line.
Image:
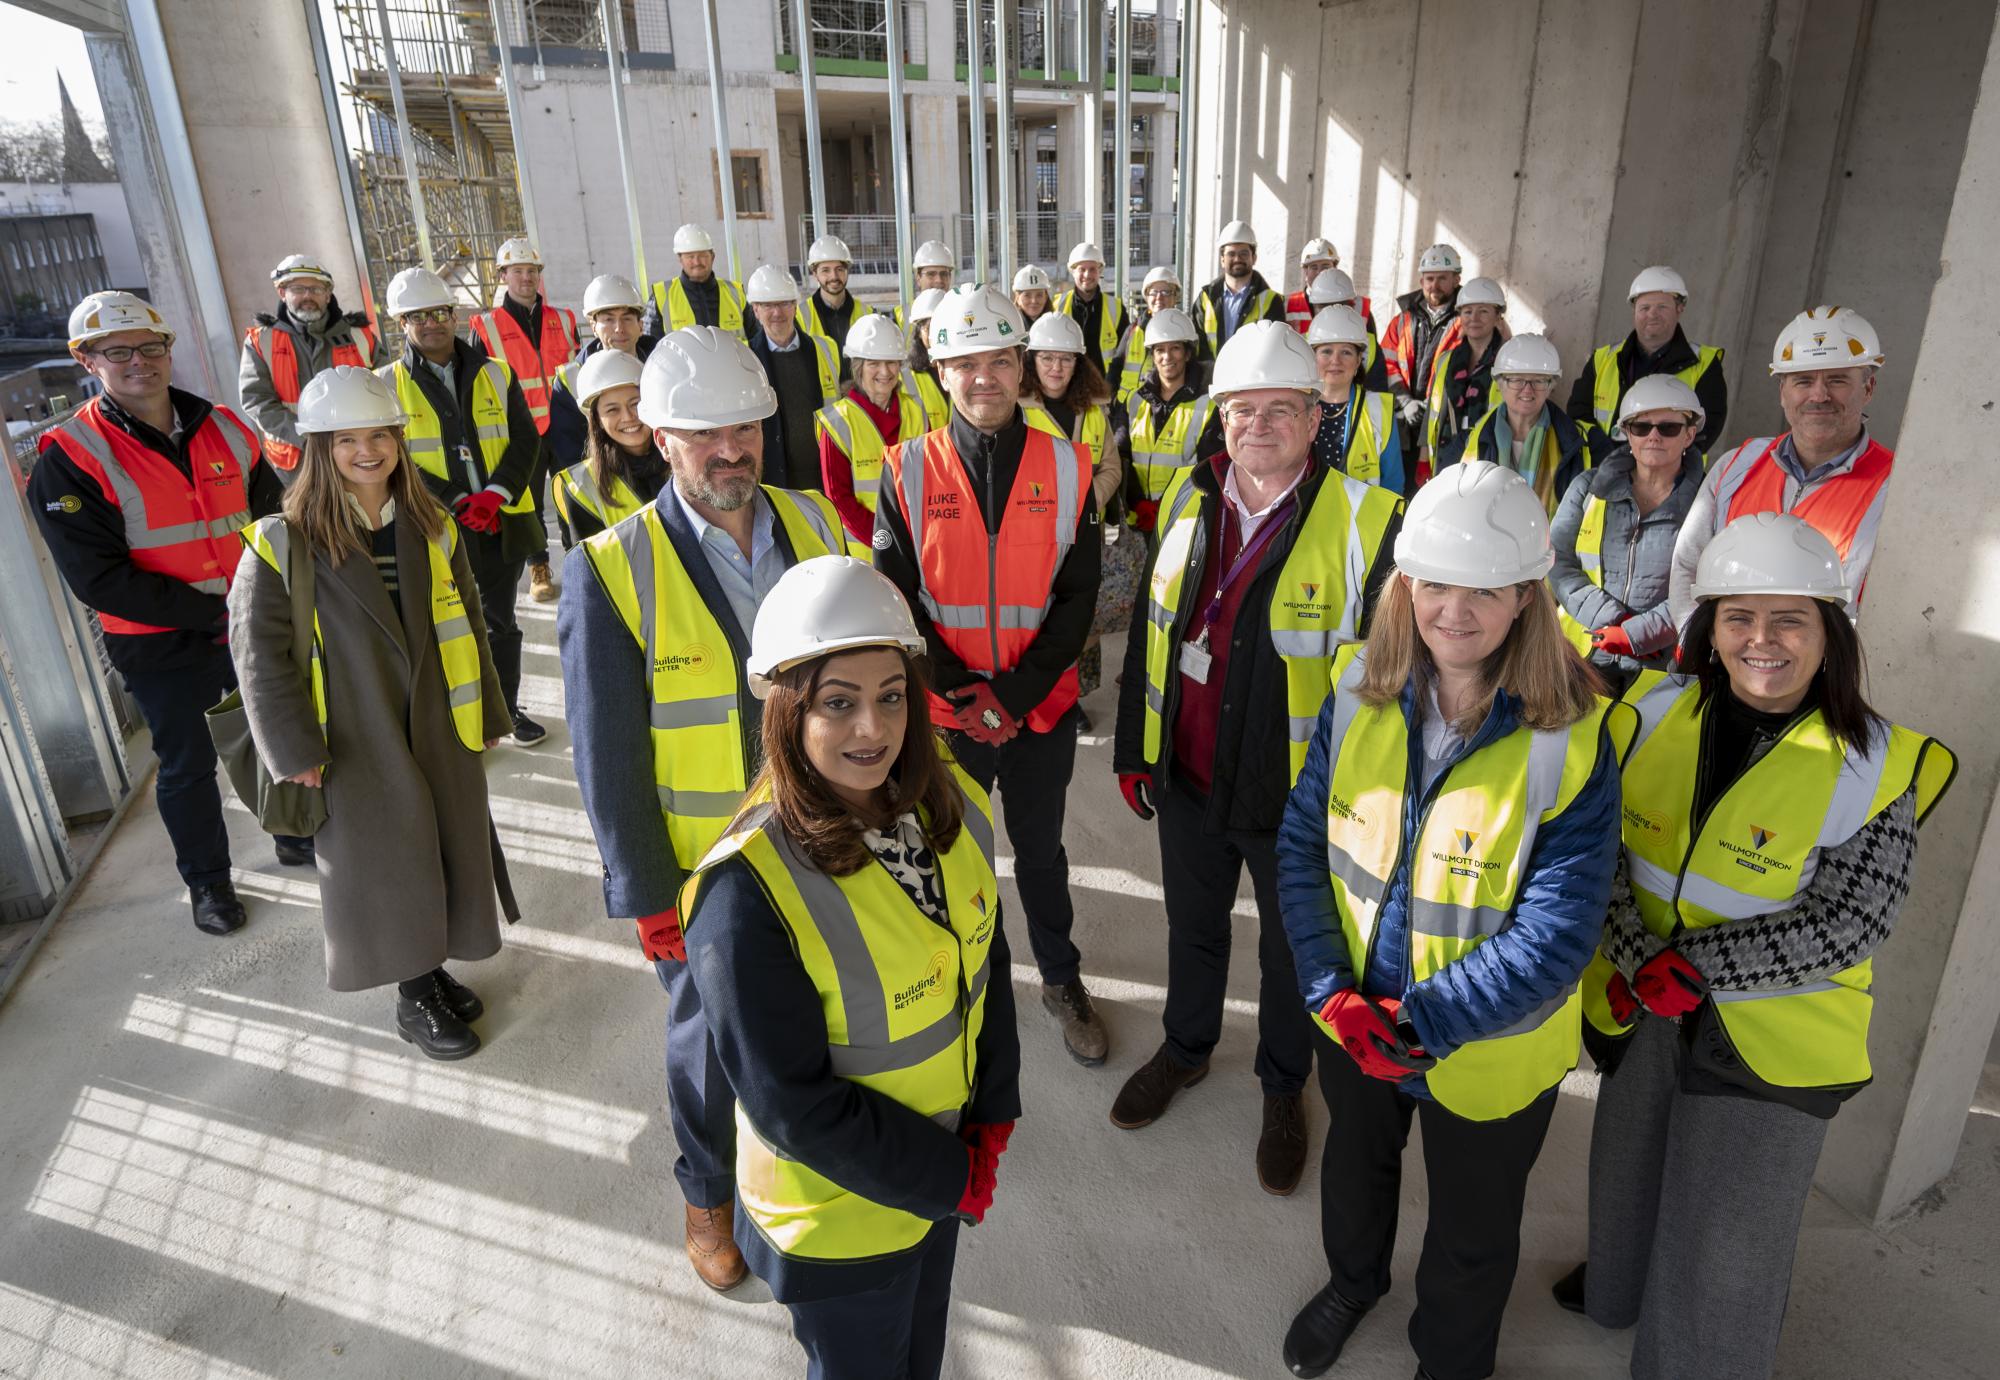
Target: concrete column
1932	632
935	157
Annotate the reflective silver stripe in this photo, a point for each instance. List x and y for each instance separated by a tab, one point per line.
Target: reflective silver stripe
699	804
701	713
836	426
637	544
212	585
815	519
464	694
139	534
1197	421
1853	792
1547	751
1156	698
1361	884
424	445
1442	920
491	431
1294	642
1302	727
1537	1018
454	627
1345	708
1698	890
912	466
955	615
1802	989
1068	512
973	818
1355	577
583	487
1020	616
1652	708
1731	476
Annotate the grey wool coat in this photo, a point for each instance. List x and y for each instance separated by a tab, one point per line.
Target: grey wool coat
406	856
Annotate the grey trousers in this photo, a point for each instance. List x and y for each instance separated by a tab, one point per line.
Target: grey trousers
1695	1204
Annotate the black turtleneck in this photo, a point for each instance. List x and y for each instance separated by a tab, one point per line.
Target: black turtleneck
1737	736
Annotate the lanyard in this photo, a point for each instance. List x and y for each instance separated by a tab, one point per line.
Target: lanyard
1245	558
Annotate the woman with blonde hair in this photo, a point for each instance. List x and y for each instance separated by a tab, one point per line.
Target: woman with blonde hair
1444	863
401	702
621	470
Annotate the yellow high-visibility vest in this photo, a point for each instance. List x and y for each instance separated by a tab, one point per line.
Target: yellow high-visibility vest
1607	391
424	432
854	436
1164	441
577	487
671	304
1110	321
1093	425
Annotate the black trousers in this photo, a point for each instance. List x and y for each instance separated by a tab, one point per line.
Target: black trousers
499	582
892	1332
700	1102
1477	1172
1199	872
1033	772
173	703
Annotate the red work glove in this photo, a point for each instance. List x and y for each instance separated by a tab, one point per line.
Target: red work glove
1366	1029
1669	985
1145	514
660	935
1137	788
479	512
979	1184
980	715
1618	995
1613	641
991	1137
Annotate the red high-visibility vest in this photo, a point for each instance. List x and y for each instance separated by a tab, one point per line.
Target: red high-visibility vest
282	358
504	340
177	525
987	606
1300	311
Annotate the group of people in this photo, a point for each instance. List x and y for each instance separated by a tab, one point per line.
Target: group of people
1532	728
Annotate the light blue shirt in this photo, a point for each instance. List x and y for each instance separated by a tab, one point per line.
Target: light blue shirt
1234	300
1788	459
744	582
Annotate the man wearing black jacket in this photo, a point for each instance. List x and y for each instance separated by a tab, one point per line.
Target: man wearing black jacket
1239	296
1657	345
1218	677
140	496
1003	583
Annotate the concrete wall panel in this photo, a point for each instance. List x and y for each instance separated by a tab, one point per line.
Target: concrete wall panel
1368	55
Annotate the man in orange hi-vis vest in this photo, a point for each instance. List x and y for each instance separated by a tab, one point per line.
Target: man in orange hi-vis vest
284	349
534	340
1826	468
986	525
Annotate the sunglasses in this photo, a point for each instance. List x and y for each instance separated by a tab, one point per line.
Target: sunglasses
1666	429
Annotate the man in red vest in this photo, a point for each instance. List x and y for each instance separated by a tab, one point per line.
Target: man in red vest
1316	258
535	340
987	527
1825	468
285	349
140	496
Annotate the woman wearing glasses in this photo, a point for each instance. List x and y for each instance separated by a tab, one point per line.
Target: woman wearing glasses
1614	533
1525	431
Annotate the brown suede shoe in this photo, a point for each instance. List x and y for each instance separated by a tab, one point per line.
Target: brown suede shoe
711	1246
1144	1098
1083	1029
1281	1149
541	583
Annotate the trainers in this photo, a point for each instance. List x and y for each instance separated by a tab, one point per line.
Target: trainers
1281	1148
1144	1098
526	731
541	583
1083	1030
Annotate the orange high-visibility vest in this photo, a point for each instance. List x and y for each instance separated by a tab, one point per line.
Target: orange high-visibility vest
504	340
1839	508
282	358
987	601
184	526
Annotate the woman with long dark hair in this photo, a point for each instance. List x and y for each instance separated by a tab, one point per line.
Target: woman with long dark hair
1770	837
621	470
402	700
845	937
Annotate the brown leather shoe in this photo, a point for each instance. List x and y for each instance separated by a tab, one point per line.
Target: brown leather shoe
1082	1028
1144	1098
711	1246
1281	1149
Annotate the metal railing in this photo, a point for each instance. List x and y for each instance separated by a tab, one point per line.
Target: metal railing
855	31
1155	40
1041	237
556	31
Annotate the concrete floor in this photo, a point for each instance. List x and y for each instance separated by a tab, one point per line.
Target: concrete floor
210	1165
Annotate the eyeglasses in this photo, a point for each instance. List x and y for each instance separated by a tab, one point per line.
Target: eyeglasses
1526	384
1666	429
122	354
1277	414
435	316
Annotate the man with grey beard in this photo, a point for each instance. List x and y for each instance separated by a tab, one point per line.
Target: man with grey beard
286	348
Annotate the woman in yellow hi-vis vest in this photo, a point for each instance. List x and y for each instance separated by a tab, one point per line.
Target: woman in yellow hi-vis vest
1770	838
1443	865
845	936
622	470
398	702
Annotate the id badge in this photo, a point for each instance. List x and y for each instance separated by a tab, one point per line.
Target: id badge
1195	661
466	460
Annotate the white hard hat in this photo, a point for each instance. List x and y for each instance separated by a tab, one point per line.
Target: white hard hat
824	605
1658	278
701	377
1318	249
1441	258
692	239
925	306
1168	326
1057	332
1475	525
934	254
1482	290
1338	324
1162	274
975	318
299	266
107	313
1528	354
1237	232
1264	354
1031	278
1330	287
517	251
1657	393
606	369
1826	338
1084	253
1770	553
874	336
828	249
417	289
608	290
347	397
769	283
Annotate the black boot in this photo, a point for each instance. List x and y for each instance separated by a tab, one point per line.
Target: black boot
1320	1330
216	908
1568	1290
463	1001
293	852
430	1024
